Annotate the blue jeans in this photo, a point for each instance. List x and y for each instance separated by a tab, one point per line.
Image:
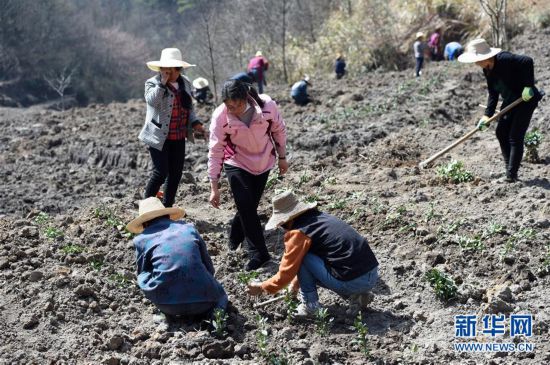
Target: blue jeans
192	309
419	62
313	272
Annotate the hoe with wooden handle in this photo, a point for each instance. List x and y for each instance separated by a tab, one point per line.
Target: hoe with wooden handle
428	162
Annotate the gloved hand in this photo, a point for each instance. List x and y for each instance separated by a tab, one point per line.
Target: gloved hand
483	124
527	93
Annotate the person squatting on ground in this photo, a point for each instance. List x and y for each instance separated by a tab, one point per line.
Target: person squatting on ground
511	76
248	136
452	51
298	92
320	249
169	120
174	270
257	66
340	67
201	92
419	48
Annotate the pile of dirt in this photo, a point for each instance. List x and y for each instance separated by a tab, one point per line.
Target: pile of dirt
72	179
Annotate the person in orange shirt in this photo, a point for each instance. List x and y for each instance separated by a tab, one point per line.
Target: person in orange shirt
320	249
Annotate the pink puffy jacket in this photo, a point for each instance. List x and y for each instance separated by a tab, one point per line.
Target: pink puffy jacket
250	148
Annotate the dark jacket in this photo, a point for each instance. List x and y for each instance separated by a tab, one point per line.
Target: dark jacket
346	253
340	66
510	74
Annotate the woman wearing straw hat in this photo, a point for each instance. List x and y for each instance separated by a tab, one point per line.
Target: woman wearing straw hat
510	76
320	249
419	48
247	137
174	269
201	91
169	120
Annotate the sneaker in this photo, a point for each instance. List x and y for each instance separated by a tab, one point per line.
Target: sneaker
511	178
307	309
363	300
256	262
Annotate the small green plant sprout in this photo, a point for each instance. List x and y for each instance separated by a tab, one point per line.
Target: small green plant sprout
532	142
377	207
42	219
444	286
262	336
510	245
431	213
493	229
219	323
545	263
291	304
120	280
273	179
305	177
362	331
323	321
97	264
331	180
454	172
53	232
109	216
313	198
338	204
72	249
245	277
470	243
448	229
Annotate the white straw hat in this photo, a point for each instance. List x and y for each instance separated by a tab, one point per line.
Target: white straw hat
419	35
200	82
169	57
259	53
286	207
152	208
478	50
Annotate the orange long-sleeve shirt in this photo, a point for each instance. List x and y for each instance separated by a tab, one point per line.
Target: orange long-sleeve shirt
297	245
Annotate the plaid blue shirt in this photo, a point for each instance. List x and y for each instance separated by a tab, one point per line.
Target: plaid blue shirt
173	265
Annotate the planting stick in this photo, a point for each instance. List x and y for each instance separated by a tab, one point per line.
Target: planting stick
272	300
428	161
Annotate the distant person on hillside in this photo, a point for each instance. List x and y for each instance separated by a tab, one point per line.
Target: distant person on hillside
201	90
510	76
419	48
247	139
174	270
258	66
169	120
435	45
244	77
298	92
340	67
452	51
320	250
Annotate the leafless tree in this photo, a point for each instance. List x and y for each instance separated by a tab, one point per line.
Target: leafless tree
496	10
60	83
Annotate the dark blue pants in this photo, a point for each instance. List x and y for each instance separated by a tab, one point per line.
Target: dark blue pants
167	166
419	63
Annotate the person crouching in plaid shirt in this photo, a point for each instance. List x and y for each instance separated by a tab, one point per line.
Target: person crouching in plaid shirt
169	121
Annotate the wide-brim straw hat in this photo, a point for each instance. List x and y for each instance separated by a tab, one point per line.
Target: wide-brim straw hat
478	50
259	53
419	35
169	57
152	208
307	79
200	82
286	207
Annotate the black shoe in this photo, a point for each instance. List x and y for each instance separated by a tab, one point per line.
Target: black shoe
256	262
232	245
511	178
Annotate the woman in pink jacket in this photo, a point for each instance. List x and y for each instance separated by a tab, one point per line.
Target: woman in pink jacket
247	137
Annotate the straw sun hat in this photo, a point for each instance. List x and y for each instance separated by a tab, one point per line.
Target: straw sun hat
478	50
149	209
419	35
259	53
200	82
169	57
286	207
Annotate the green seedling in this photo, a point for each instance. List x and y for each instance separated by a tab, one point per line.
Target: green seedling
305	177
291	304
71	249
454	172
431	213
97	264
272	180
511	242
331	180
262	336
338	204
323	321
120	280
448	229
470	243
532	142
377	207
53	233
312	198
219	323
362	331
493	229
245	277
107	214
42	219
444	286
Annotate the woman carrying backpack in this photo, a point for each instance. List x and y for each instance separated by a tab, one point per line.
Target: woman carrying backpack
248	136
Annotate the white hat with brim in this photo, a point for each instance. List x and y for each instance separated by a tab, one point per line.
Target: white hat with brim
200	82
152	208
286	207
259	53
478	50
169	57
419	35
